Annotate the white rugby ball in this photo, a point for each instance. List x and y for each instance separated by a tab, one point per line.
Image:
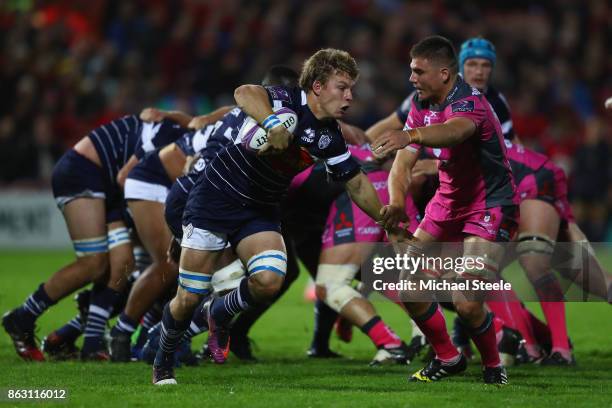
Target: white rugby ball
253	137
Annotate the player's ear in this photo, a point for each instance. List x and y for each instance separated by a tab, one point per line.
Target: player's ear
445	74
316	87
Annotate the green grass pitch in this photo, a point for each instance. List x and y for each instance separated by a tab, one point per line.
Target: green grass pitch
286	377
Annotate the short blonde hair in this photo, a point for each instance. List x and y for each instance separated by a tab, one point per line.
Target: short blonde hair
324	63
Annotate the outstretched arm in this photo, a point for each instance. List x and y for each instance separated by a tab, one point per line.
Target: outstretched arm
198	122
391	122
447	134
352	134
156	115
362	192
398	182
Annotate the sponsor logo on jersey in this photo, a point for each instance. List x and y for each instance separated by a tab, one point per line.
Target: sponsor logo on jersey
343	228
368	230
463	106
452	93
308	136
279	93
431	115
324	141
200	164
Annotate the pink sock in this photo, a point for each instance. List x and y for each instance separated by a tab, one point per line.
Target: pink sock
484	338
380	334
433	326
539	329
529	336
498	325
555	317
551	299
511	312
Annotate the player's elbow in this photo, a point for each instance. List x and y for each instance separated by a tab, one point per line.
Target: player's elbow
242	93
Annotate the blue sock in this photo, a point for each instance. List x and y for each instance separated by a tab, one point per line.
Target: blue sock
34	306
226	307
125	325
151	318
198	324
100	306
71	330
171	333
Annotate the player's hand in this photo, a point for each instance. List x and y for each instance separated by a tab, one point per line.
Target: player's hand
121	177
379	155
278	141
426	167
391	216
199	122
397	235
390	141
151	115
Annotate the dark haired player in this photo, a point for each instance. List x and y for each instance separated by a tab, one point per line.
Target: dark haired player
475	201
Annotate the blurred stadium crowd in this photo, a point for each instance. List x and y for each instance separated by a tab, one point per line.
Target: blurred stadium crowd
67	66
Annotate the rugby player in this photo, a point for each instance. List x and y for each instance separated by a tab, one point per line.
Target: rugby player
475	202
237	198
85	188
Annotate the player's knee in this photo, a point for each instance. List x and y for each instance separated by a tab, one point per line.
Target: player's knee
122	265
95	264
266	284
333	285
186	300
534	249
470	311
267	271
535	264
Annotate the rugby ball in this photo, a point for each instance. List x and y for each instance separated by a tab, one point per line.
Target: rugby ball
253	137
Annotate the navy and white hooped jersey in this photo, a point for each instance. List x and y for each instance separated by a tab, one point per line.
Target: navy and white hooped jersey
209	140
155	135
115	142
263	180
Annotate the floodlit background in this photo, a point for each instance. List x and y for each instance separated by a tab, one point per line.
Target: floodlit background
68	66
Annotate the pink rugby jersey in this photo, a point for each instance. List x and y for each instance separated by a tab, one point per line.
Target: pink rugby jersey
474	174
